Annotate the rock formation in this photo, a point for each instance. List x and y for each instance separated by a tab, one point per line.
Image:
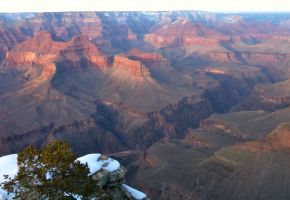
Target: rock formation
134	68
146	57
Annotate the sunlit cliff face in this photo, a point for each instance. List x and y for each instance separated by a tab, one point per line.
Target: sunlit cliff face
215	71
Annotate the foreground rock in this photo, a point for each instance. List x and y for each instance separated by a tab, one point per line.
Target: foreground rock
108	172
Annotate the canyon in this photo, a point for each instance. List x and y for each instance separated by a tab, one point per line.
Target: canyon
194	104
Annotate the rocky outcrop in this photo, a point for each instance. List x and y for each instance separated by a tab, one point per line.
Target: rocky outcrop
277	140
146	57
33	60
278	100
133	67
39	50
81	53
264	59
257	101
113	182
177	40
220	126
253	58
196	141
183	32
222	57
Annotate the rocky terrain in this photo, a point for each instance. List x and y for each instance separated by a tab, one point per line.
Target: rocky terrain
194	104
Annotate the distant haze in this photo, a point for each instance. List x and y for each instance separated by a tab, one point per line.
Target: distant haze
144	5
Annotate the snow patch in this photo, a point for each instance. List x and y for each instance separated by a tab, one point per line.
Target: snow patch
10	168
95	163
134	193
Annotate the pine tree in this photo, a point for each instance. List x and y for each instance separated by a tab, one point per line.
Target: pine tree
52	173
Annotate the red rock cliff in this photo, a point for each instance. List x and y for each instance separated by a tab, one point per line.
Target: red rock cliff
136	68
80	49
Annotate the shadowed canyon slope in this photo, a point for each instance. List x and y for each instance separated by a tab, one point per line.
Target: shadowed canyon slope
196	101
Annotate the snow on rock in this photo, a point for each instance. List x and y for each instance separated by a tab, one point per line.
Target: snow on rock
96	163
8	166
134	193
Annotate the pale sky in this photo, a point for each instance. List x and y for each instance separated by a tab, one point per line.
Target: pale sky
143	5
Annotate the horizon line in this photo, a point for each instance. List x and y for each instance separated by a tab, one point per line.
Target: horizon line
178	10
217	6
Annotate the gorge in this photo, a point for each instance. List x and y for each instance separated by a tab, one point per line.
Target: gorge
192	103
